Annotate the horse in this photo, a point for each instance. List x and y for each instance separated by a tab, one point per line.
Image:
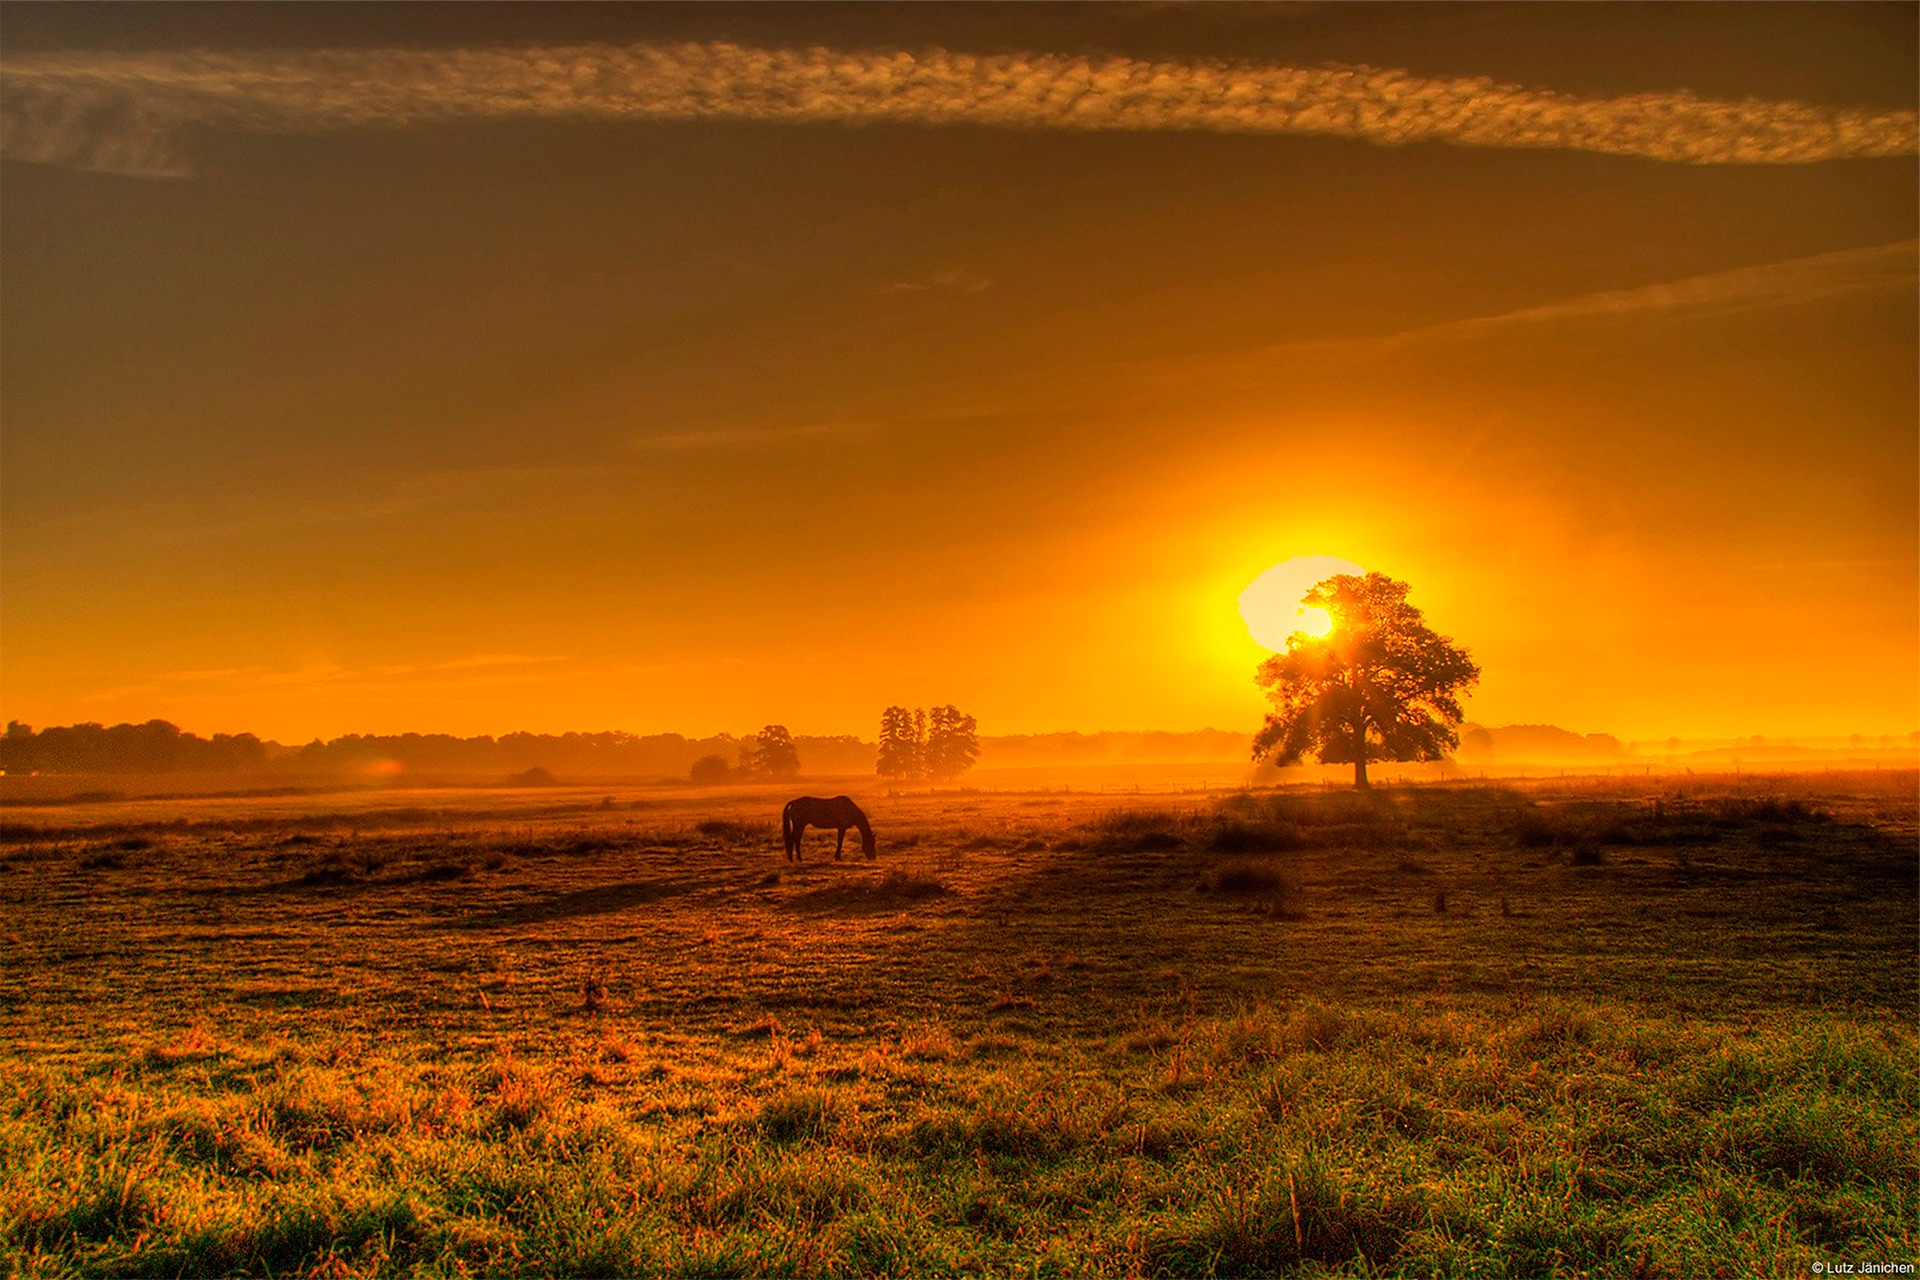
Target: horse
811	811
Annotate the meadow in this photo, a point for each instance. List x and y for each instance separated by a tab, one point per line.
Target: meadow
1653	1027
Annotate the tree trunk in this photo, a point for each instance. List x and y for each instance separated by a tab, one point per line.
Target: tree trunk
1360	782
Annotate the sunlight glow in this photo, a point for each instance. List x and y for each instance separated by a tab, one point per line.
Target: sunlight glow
1271	604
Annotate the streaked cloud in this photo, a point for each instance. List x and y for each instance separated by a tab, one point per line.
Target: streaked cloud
946	280
482	668
741	437
1791	282
126	113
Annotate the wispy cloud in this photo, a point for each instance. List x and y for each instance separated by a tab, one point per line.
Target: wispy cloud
1888	270
946	280
741	437
1771	284
479	668
125	112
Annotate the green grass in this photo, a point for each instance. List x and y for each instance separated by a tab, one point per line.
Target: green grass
1039	1035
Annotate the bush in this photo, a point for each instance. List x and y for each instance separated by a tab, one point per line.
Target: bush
710	770
1773	809
1234	835
1246	875
1136	831
728	831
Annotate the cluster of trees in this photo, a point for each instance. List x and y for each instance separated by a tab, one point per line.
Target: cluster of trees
937	745
771	753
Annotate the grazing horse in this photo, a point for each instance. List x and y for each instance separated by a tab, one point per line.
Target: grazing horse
811	811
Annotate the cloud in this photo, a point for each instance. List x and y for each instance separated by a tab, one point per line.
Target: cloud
1887	269
946	280
125	113
479	668
741	437
1789	283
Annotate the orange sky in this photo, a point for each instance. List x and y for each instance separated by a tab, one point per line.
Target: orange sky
618	373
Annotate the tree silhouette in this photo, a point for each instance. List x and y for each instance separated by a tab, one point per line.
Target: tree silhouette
1381	685
953	743
774	755
900	745
920	745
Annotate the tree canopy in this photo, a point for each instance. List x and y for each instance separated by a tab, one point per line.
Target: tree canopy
953	743
774	754
1381	685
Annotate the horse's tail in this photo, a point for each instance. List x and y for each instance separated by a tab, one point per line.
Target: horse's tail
786	827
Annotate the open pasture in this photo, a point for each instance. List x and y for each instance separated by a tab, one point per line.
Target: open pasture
1657	1027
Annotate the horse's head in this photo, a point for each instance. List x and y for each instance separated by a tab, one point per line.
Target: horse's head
867	842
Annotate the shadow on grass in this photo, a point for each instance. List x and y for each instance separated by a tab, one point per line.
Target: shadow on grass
580	902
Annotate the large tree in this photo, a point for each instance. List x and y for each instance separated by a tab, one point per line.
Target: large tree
953	743
774	753
1381	685
901	745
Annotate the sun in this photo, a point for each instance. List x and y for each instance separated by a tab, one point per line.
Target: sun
1271	604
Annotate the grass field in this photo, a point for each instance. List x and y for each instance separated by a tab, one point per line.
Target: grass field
1660	1027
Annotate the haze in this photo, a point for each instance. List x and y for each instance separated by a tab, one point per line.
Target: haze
454	369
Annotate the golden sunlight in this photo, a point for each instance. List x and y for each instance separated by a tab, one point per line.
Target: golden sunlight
1272	603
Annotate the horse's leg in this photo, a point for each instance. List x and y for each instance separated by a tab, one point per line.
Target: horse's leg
839	844
799	838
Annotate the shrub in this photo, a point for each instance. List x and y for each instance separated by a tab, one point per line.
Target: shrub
1246	875
710	770
730	831
1789	812
1234	835
906	887
1136	831
438	871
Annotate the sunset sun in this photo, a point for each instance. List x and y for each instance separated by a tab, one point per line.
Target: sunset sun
1314	621
1272	603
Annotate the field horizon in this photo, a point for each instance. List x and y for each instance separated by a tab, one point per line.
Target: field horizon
93	762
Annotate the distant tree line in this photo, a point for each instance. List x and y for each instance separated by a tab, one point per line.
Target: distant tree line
153	747
160	747
927	746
